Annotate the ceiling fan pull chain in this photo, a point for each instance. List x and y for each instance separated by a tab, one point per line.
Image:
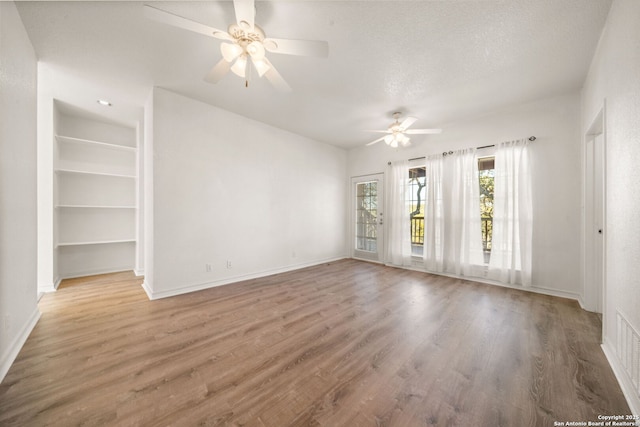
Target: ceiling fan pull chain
248	71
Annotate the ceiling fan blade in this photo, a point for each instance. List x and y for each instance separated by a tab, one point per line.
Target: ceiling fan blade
218	71
245	13
315	48
168	18
407	122
378	131
422	131
275	78
376	141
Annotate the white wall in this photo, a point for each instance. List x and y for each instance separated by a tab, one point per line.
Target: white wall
18	241
614	78
557	177
48	119
226	188
147	194
139	263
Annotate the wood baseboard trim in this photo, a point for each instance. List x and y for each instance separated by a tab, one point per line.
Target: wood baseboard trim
148	287
582	304
92	273
16	345
628	389
535	289
50	287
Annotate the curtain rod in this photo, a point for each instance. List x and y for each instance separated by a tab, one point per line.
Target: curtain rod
531	138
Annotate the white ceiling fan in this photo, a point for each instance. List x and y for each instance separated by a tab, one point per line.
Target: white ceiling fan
397	132
244	44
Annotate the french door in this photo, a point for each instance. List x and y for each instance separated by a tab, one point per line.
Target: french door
368	220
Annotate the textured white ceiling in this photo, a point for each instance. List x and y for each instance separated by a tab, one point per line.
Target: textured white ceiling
440	61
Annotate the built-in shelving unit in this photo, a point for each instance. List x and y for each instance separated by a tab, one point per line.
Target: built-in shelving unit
94	196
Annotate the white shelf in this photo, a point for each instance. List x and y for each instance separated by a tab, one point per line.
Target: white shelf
95	203
85	260
115	175
62	138
95	207
95	225
96	242
94	190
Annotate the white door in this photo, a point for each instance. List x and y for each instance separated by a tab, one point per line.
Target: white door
368	218
594	223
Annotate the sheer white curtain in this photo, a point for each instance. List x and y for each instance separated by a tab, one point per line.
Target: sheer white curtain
433	254
452	233
398	246
512	214
464	254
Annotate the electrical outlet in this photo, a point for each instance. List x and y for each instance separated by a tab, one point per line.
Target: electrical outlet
228	263
208	267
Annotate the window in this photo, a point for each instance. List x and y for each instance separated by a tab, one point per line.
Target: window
416	209
486	174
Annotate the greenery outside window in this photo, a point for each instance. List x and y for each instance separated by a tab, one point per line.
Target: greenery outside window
417	177
486	175
367	216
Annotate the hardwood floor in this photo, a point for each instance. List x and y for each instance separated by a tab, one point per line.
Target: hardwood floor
344	344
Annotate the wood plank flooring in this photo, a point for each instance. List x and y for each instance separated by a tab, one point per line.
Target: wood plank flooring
342	344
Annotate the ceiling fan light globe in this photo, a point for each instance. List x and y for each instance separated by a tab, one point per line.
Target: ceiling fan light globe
389	139
394	144
230	51
256	50
240	66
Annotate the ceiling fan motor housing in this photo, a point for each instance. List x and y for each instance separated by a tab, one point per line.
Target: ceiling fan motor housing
244	36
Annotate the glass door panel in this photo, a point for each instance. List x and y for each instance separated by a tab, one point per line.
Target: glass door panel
368	217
